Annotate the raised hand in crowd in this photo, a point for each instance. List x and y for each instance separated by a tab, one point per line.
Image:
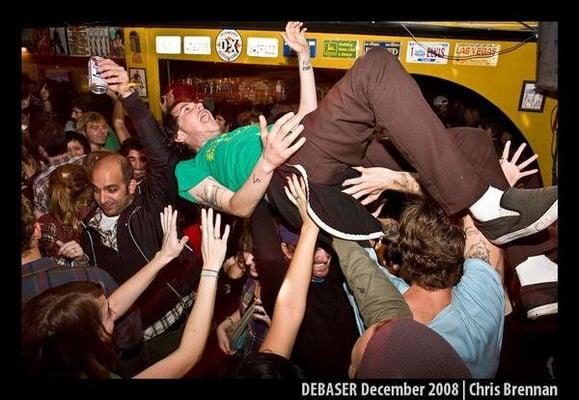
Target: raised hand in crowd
512	171
294	37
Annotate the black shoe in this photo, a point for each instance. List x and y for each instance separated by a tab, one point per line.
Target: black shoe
537	208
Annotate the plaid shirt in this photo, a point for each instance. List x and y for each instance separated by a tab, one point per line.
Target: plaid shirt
170	318
108	238
44	273
256	328
40	186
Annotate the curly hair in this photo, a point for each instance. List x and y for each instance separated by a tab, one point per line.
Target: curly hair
63	335
431	244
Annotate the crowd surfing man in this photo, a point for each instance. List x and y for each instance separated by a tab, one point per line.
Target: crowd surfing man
232	172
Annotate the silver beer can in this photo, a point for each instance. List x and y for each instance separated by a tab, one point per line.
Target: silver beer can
96	84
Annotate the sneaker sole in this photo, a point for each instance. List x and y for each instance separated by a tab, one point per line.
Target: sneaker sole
547	309
547	219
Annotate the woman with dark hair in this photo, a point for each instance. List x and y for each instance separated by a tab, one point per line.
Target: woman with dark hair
243	331
76	144
272	360
66	331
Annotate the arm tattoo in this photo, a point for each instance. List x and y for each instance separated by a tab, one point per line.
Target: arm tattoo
255	179
210	196
478	250
306	65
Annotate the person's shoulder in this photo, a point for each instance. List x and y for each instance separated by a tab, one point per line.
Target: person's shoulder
479	275
479	267
38	266
184	164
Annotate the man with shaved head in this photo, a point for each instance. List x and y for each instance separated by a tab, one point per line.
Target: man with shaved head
123	233
114	184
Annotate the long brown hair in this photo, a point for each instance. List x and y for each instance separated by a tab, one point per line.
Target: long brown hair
70	191
63	335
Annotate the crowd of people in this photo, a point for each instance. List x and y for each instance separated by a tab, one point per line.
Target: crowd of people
367	237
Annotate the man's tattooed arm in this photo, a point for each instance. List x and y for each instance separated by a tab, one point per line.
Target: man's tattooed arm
478	249
211	194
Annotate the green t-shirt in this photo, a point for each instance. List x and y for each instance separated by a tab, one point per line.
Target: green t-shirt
228	158
112	143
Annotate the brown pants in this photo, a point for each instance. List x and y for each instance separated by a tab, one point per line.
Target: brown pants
378	94
455	165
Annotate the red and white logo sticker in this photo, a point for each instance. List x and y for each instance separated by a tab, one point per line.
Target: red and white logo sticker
228	45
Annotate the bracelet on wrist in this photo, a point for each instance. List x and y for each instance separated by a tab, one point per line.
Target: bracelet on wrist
209	273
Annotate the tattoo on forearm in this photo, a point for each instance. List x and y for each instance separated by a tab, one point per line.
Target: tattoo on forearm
210	196
479	250
255	179
306	65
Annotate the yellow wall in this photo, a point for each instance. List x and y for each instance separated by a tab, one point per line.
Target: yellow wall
500	84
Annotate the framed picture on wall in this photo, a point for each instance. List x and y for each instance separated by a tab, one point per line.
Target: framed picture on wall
531	99
138	76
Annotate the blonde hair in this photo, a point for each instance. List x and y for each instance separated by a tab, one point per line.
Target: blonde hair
87	118
70	191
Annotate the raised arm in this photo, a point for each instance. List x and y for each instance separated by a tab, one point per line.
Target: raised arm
277	148
161	182
294	37
290	304
124	297
118	117
213	248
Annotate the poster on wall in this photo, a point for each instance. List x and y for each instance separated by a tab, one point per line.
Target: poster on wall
117	42
138	76
531	99
78	41
41	41
98	39
58	41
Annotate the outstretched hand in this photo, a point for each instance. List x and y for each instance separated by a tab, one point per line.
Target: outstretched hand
296	193
171	246
277	143
512	171
213	244
294	37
